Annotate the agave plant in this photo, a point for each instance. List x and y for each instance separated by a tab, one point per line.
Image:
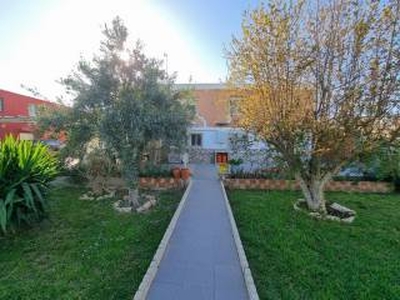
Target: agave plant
25	171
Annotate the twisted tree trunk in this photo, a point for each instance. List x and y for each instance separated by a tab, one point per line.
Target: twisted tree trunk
130	170
133	196
313	190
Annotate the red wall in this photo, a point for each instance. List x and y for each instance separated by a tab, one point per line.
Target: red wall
16	105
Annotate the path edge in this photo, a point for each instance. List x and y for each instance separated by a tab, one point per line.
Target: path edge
151	272
244	264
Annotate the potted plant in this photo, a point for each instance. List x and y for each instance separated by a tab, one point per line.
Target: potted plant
176	172
185	173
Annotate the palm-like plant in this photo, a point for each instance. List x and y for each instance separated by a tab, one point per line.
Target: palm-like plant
25	171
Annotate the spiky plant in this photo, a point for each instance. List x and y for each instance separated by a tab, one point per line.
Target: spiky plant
25	171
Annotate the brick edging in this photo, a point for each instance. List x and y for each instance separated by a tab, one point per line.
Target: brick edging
248	277
159	182
151	272
280	184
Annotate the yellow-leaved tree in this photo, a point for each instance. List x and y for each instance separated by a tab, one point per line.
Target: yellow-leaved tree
320	82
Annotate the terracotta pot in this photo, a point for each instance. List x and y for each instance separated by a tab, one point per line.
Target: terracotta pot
185	173
176	172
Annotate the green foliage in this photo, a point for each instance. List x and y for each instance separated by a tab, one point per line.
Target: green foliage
293	256
152	170
25	170
235	162
77	174
125	100
100	163
384	163
273	173
86	251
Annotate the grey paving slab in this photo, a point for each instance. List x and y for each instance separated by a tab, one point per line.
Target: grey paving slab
201	261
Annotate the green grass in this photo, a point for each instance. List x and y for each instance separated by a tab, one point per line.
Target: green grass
85	250
293	256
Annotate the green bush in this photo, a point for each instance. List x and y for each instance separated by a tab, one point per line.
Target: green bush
25	171
152	170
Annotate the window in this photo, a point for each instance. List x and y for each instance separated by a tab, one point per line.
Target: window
1	104
234	106
32	110
196	139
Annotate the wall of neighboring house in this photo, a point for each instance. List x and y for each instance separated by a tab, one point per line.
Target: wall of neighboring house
17	113
214	124
205	141
216	140
210	137
214	103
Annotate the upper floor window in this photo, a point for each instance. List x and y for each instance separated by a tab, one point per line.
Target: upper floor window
234	106
32	110
196	139
1	104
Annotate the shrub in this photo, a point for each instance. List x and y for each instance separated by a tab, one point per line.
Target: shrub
272	173
100	163
25	171
152	170
235	162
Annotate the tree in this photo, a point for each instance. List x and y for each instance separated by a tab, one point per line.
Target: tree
124	100
320	82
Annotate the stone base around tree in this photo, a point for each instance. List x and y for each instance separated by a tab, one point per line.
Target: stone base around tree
335	212
92	196
126	206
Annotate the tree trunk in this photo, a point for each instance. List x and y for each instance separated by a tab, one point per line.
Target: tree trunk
133	196
313	191
130	172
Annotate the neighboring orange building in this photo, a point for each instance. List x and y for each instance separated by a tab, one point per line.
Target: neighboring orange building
17	114
216	106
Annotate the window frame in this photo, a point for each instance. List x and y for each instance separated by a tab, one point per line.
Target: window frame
34	107
234	106
196	140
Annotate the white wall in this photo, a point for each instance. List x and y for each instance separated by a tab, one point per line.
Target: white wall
217	138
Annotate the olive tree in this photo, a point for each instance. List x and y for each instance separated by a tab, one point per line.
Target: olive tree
124	99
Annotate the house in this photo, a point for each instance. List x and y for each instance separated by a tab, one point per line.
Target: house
17	114
211	133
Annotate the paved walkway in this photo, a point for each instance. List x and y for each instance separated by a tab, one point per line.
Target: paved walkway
201	261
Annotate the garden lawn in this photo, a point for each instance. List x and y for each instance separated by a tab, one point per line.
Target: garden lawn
293	256
85	250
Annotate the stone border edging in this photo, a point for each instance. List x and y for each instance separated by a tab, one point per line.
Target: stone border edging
244	264
333	186
151	272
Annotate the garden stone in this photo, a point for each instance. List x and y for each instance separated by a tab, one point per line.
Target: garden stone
86	197
348	220
122	209
151	201
332	218
342	209
107	196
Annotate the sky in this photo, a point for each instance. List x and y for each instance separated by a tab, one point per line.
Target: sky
42	41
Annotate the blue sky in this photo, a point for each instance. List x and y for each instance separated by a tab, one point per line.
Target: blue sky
42	40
